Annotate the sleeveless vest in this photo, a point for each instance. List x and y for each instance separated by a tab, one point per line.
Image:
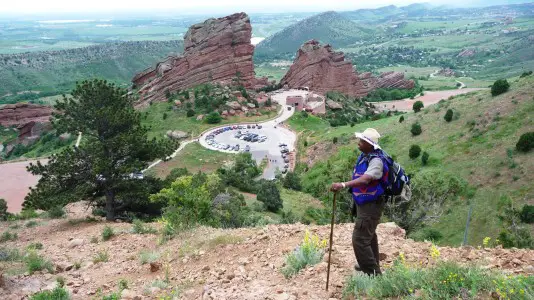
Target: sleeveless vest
375	188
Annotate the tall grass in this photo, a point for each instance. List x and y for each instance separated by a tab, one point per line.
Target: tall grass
446	280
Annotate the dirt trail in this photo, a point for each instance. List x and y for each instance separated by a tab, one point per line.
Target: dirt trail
430	97
15	183
208	263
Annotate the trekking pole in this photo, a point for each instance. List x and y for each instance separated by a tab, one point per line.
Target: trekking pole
331	233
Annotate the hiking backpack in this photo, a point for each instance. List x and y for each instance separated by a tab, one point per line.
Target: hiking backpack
398	181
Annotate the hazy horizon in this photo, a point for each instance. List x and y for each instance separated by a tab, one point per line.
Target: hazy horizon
63	8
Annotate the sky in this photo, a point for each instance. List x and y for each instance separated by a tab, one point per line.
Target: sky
209	6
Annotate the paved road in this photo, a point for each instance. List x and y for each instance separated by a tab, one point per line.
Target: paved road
271	129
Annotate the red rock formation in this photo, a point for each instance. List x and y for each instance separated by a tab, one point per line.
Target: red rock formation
23	113
321	69
214	51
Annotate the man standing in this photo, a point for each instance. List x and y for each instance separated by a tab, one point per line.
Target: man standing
367	186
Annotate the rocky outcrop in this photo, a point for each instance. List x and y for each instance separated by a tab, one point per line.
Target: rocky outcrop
23	113
466	53
387	80
176	134
321	69
217	50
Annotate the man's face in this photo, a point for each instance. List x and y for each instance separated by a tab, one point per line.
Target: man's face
364	146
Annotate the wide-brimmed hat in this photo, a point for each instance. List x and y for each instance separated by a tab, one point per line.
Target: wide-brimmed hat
371	136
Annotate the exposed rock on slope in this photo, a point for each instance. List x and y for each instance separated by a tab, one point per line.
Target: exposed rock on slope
322	69
216	50
23	113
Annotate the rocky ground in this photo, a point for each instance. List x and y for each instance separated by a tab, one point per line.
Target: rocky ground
208	263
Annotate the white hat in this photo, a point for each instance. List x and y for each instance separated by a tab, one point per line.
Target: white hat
369	135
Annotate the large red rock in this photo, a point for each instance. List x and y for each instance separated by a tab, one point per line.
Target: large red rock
23	113
217	50
321	69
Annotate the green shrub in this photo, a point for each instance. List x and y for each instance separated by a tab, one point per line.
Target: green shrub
10	254
292	181
31	224
500	86
527	214
56	212
107	233
424	158
414	151
526	142
123	284
416	129
428	234
140	227
57	293
304	114
334	140
8	236
448	115
101	256
213	118
3	210
147	257
401	119
417	106
525	74
190	113
165	116
309	253
35	246
305	143
35	262
60	281
270	196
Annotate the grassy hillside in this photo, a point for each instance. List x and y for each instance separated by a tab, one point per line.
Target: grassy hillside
478	146
329	27
57	71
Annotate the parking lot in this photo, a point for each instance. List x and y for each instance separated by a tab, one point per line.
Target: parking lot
268	140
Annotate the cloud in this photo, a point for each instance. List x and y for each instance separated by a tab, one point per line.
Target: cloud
202	6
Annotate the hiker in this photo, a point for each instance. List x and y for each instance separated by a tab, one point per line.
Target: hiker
367	188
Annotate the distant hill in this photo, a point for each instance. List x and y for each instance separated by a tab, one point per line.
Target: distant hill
51	71
329	28
392	12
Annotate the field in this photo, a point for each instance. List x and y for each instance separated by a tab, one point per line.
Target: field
194	158
177	120
478	147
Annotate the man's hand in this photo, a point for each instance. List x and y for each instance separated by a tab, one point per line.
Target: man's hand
336	186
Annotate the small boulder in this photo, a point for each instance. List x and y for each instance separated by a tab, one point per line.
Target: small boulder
75	243
200	117
177	134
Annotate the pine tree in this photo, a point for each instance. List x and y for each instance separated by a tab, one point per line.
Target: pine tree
115	146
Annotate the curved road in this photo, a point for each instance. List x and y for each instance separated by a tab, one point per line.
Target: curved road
275	134
271	129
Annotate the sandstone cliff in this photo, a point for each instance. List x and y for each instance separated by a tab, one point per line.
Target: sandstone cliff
23	113
216	50
321	69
